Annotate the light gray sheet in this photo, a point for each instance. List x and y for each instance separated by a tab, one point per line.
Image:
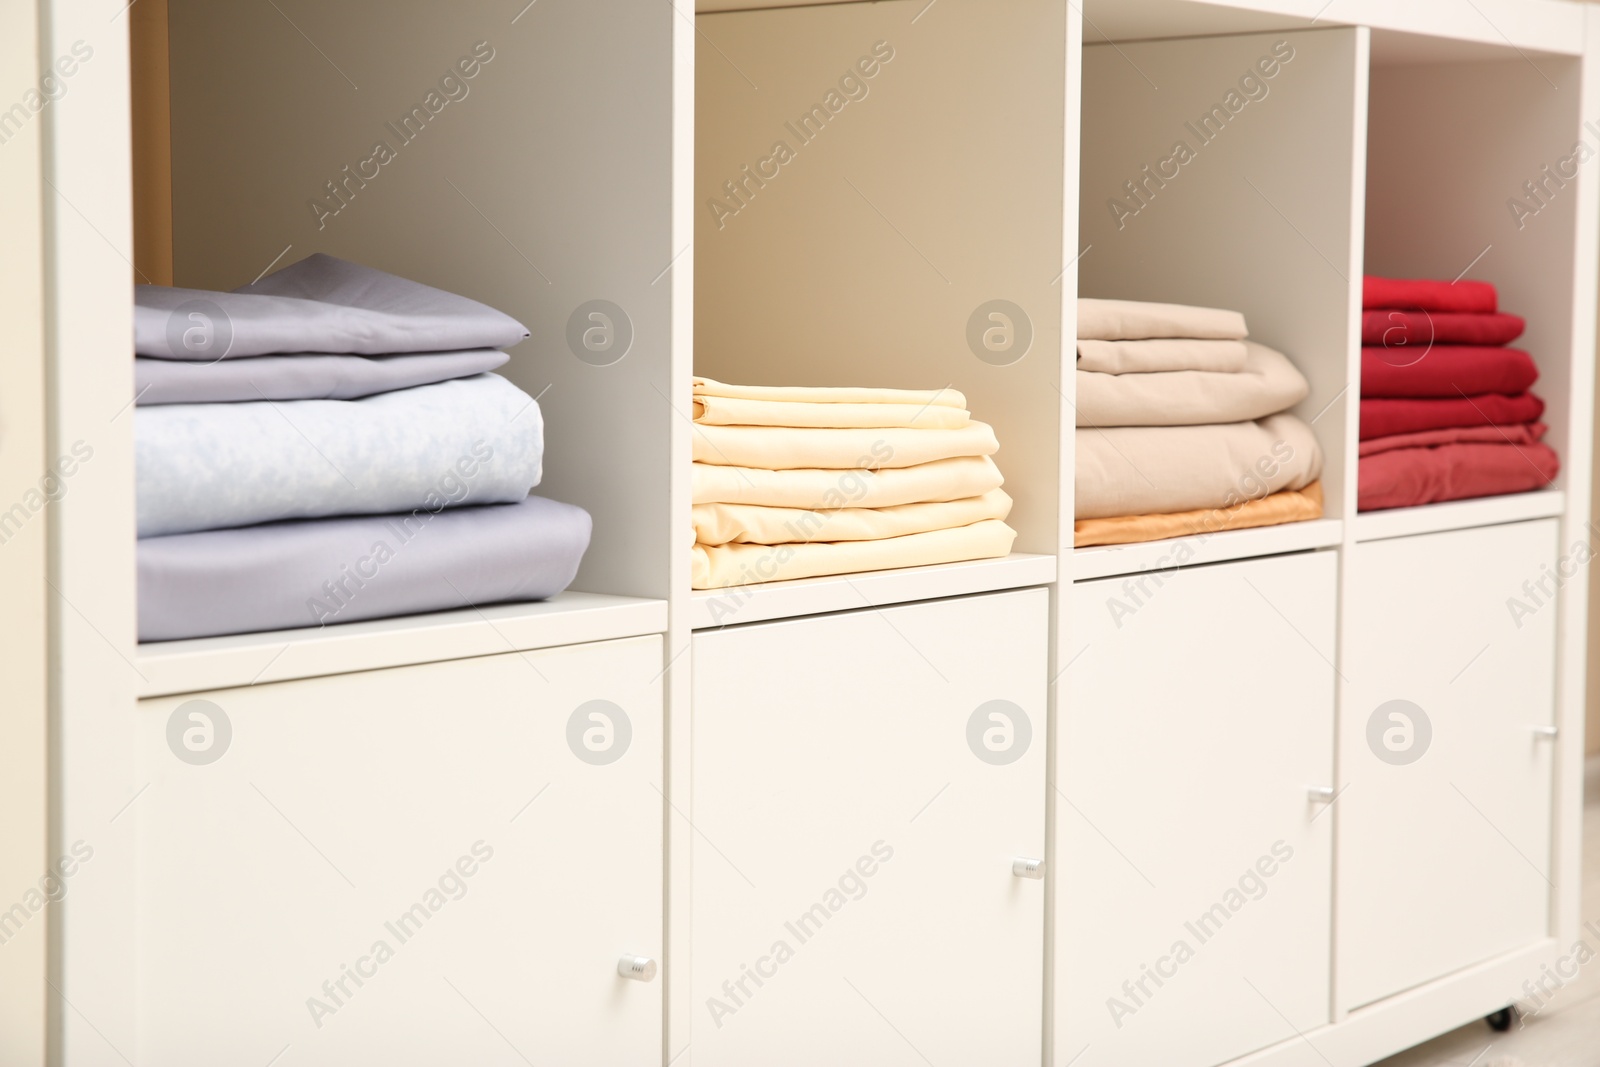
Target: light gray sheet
324	571
302	376
473	440
320	304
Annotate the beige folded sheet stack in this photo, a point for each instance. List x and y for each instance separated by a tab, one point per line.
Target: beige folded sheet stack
797	483
1183	426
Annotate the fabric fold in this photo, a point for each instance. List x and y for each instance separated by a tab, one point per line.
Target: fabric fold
829	490
1445	371
784	447
717	567
1276	509
721	524
1518	434
1407	477
1422	294
829	395
1382	417
1268	383
308	376
731	411
1157	354
1419	329
1134	320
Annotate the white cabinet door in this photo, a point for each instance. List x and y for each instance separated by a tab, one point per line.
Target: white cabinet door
1444	824
863	783
419	866
1193	886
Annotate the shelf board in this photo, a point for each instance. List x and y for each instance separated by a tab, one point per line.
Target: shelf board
1459	515
255	659
1105	561
713	608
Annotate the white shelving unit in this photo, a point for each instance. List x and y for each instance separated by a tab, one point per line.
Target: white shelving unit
869	769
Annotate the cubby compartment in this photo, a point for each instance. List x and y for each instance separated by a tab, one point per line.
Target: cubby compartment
868	193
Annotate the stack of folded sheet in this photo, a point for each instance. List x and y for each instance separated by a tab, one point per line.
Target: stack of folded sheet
798	483
1182	426
1445	409
327	445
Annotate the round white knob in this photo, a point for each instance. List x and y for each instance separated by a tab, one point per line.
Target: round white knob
639	968
1322	793
1027	868
1546	731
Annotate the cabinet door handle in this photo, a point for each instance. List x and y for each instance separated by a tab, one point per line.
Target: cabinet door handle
1027	868
1322	794
639	968
1547	731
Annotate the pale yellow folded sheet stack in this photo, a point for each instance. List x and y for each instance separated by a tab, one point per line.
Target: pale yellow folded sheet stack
797	483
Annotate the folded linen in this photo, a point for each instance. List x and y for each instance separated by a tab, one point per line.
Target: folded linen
204	466
1382	417
1406	477
1289	505
1421	294
717	567
1522	434
730	411
1267	384
311	572
786	448
320	304
1138	470
829	490
302	376
1133	320
721	524
1394	329
841	395
1445	371
1157	354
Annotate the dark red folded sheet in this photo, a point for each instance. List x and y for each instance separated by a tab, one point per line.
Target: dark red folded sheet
1418	329
1426	295
1384	417
1526	433
1445	370
1406	477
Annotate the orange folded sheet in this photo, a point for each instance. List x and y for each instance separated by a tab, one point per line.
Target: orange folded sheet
1290	505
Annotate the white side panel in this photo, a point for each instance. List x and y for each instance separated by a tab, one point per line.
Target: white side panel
854	896
432	831
1196	873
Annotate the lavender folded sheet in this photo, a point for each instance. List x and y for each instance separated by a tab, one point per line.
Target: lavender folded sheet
317	572
307	376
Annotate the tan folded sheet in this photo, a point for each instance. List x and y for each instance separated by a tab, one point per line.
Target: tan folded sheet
1153	355
1268	384
721	524
1143	470
827	490
949	398
728	411
779	448
719	567
1291	505
1133	320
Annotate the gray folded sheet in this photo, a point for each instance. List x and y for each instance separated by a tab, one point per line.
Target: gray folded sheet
302	376
476	440
316	572
320	304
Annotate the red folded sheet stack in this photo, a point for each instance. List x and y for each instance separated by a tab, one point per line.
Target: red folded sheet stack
1445	409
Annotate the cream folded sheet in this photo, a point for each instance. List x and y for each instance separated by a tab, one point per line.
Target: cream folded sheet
1160	354
1266	385
726	565
787	447
828	490
1141	470
722	524
1132	320
731	411
949	398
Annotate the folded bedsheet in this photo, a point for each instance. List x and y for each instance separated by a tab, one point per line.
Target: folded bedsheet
1424	295
787	448
828	490
1386	417
206	466
1157	354
305	376
1445	371
704	387
1290	505
729	411
1140	470
1521	434
722	524
1133	320
320	304
1418	329
1268	383
313	572
1406	477
735	564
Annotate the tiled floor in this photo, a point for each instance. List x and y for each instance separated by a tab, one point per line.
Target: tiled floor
1565	1032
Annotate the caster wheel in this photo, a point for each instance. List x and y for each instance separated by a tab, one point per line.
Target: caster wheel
1500	1021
